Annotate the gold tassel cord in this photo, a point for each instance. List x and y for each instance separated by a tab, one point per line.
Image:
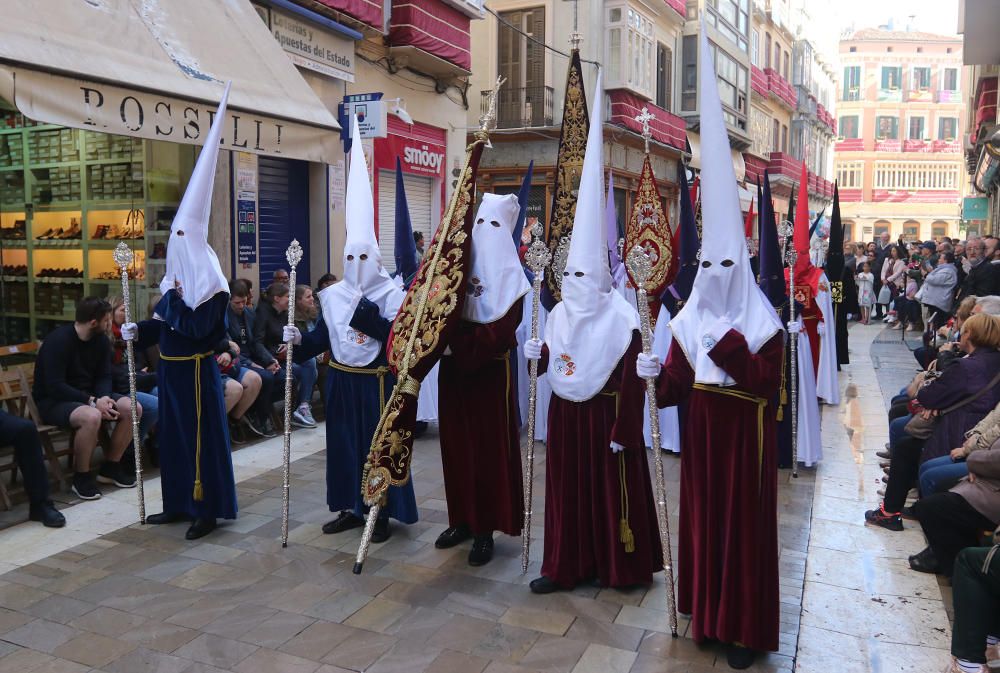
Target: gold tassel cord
199	492
625	535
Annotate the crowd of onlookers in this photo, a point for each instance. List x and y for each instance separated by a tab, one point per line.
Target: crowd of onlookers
81	385
943	454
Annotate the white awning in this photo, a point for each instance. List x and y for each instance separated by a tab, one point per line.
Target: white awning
156	69
739	165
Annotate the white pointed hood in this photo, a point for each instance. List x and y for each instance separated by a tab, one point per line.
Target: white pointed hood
724	286
190	259
364	274
497	279
589	331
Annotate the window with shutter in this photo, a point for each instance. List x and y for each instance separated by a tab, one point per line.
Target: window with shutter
664	68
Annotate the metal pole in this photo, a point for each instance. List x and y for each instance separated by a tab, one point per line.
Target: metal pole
294	256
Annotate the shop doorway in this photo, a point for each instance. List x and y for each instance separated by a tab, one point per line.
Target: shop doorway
283	199
419	198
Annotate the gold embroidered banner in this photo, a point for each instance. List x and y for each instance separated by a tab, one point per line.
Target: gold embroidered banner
647	227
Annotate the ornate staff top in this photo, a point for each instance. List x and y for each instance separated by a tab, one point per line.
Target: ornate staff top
294	253
488	121
640	265
123	255
538	256
644	118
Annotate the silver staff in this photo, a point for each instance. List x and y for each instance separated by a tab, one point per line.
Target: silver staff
123	258
537	258
790	255
641	268
294	256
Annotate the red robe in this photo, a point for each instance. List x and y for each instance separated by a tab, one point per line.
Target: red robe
728	547
478	412
583	485
810	315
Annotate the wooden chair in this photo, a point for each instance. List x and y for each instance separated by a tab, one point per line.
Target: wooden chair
10	397
17	354
48	434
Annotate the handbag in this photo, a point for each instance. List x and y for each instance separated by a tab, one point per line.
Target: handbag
884	295
919	296
919	427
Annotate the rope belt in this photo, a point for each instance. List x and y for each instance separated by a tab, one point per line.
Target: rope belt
747	397
199	493
380	372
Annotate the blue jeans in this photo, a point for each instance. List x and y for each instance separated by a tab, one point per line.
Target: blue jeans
305	375
940	474
150	404
897	428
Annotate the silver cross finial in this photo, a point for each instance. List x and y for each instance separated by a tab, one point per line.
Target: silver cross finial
644	118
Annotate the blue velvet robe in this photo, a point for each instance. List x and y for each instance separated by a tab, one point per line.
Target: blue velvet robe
354	403
185	332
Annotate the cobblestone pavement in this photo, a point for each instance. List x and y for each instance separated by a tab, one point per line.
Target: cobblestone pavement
105	594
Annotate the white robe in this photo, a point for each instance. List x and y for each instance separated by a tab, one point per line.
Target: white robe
427	400
809	442
827	386
543	391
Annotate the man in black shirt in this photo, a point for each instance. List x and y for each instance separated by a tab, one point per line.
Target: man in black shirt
73	390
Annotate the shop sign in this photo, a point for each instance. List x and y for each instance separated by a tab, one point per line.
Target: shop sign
246	208
310	46
975	208
370	111
415	156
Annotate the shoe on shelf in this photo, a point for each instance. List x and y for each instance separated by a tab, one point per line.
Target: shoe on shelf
113	473
887	520
482	550
47	513
44	236
543	585
199	529
85	486
344	521
382	531
452	536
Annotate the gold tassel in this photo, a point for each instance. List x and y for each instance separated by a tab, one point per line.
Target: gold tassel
625	535
199	493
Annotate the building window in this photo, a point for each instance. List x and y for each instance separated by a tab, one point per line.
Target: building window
887	128
939	229
911	230
784	65
520	60
777	58
784	138
916	176
689	81
776	137
767	50
850	174
916	130
732	84
755	48
848	230
947	128
630	50
731	17
664	68
852	83
882	227
892	77
760	132
949	79
921	79
848	127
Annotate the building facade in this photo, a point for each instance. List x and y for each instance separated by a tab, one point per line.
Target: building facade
900	127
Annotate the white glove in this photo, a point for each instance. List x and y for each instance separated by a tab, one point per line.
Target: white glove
130	331
647	366
533	349
794	327
616	447
291	334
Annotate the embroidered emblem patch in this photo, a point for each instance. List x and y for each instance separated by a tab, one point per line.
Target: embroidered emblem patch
708	343
564	365
354	336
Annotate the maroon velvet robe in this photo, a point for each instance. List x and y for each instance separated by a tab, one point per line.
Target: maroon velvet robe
728	547
477	407
583	486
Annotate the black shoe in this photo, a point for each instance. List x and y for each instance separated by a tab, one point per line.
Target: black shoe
925	562
908	513
880	517
344	521
543	585
251	423
47	513
885	455
236	434
166	517
455	535
381	532
482	550
268	427
739	657
85	486
113	473
200	528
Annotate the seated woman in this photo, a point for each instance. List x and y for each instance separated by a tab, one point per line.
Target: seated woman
145	379
272	316
940	474
969	382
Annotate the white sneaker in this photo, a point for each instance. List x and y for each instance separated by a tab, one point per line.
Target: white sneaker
306	413
303	418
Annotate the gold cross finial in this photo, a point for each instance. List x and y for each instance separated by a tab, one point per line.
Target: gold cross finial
644	118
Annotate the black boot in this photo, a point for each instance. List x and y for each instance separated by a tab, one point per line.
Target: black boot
482	550
543	585
200	528
166	517
739	657
344	521
452	536
47	513
381	532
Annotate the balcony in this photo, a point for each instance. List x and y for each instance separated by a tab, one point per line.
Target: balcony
852	94
916	146
431	37
780	88
368	12
526	107
758	81
678	6
850	145
920	96
890	95
949	96
827	118
782	164
946	146
666	128
888	145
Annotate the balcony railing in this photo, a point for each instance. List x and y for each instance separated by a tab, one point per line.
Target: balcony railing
779	87
852	94
944	96
920	96
890	95
758	81
666	128
827	118
916	146
888	145
679	6
782	164
525	107
946	146
850	145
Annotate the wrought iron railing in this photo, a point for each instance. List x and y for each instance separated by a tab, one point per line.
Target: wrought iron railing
522	107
